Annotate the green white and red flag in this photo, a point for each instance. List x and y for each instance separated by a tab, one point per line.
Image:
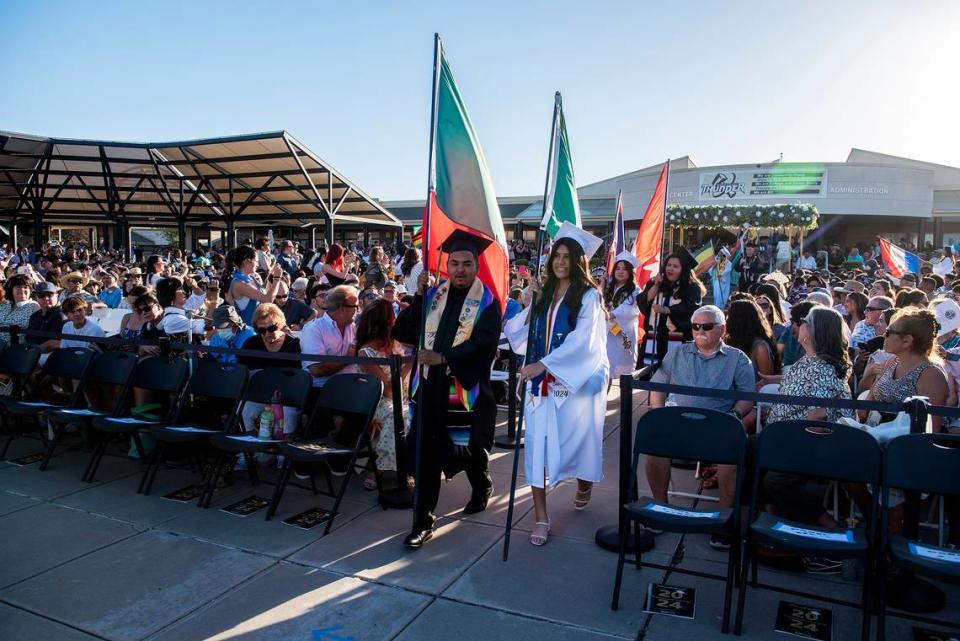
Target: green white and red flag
461	194
561	203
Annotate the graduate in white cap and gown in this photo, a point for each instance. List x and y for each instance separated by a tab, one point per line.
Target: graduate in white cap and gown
720	277
565	376
622	314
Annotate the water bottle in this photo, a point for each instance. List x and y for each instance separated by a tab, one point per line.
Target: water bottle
266	423
277	408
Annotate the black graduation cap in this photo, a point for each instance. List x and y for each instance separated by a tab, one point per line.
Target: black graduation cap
460	241
687	259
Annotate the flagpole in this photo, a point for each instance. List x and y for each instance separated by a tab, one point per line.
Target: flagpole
547	210
431	189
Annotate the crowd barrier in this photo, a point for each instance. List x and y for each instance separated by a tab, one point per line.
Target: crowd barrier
399	498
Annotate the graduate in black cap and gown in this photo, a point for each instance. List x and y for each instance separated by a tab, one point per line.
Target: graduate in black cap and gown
669	300
461	335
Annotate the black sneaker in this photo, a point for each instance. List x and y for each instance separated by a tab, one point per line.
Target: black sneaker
822	565
720	541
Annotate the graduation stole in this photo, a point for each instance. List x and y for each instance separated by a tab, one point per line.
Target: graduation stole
548	334
477	300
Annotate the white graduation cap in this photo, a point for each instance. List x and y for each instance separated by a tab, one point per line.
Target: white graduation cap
585	239
626	257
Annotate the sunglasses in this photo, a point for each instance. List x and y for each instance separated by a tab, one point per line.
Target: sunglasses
895	332
268	328
707	327
872	309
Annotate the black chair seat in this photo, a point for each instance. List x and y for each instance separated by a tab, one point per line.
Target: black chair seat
28	407
675	519
122	425
75	414
773	530
307	451
242	443
931	561
182	433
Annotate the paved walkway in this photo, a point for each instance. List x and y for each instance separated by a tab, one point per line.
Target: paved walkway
98	561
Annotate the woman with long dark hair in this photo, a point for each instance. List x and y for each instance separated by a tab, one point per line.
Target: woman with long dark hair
375	340
779	309
565	401
669	300
242	291
856	304
748	331
620	299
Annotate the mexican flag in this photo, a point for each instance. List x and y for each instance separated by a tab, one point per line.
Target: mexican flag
461	192
561	203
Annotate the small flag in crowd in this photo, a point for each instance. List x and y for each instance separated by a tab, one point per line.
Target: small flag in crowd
561	204
617	242
461	191
898	261
705	258
417	239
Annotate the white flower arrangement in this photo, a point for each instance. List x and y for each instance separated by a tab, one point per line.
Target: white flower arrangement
801	215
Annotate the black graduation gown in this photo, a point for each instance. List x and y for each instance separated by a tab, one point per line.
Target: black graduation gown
470	362
680	313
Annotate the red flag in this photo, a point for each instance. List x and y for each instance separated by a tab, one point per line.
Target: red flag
649	241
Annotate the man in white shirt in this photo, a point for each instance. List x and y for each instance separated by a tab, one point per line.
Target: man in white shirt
333	334
808	261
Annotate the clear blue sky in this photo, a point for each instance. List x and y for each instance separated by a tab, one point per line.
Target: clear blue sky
723	82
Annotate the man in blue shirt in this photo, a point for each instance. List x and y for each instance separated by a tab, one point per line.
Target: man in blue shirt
287	260
111	294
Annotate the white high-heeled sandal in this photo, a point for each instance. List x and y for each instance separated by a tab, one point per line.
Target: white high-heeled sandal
540	539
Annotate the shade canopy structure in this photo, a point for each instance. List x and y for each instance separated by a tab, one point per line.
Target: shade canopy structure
259	179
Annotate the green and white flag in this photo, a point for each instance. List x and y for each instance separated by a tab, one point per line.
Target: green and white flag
560	203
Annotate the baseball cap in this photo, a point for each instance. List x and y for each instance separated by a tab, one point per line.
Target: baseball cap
226	314
46	287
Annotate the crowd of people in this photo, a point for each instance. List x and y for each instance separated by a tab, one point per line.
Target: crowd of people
840	332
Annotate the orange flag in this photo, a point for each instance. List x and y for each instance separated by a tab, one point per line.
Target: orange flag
649	241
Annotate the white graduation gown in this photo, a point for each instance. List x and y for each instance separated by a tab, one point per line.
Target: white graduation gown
564	430
721	284
622	349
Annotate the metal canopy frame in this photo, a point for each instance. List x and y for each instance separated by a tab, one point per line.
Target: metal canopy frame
237	181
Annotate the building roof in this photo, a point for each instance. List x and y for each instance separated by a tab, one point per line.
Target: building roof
257	179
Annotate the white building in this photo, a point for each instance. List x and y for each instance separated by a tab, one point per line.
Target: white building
867	195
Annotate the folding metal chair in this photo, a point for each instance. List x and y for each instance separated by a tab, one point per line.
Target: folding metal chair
354	398
822	450
920	463
210	380
166	374
689	433
106	370
294	385
67	363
